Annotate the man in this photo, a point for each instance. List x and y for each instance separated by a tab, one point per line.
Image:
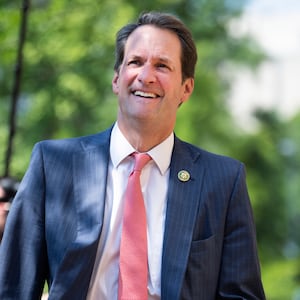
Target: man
65	224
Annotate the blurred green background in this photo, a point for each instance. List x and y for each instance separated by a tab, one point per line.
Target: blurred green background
66	91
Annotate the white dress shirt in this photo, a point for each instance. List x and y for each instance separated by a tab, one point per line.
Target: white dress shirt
154	183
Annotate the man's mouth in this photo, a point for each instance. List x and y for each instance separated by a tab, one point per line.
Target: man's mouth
145	94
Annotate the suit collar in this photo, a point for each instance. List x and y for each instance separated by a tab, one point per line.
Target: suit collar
93	141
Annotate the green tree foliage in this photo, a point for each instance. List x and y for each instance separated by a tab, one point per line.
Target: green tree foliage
68	62
272	157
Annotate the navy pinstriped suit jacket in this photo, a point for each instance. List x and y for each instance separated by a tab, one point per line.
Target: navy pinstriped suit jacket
53	228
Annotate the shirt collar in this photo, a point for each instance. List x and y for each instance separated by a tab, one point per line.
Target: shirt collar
120	148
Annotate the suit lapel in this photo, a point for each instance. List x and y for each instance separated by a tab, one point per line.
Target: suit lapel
90	175
182	207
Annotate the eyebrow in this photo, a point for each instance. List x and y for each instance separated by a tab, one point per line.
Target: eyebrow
161	59
165	59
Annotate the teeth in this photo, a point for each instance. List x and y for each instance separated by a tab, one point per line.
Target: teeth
143	94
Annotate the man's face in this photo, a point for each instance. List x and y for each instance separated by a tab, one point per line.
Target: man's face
149	83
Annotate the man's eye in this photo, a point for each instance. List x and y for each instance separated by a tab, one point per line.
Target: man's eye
162	66
134	62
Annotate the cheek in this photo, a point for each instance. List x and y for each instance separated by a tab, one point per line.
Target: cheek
128	74
175	93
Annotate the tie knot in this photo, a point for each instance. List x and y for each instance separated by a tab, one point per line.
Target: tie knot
140	160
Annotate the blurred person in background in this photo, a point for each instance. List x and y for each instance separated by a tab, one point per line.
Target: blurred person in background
8	189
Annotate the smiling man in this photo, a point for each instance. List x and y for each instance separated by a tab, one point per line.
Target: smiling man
181	229
150	86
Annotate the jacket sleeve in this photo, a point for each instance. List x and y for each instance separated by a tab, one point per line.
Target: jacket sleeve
23	258
240	271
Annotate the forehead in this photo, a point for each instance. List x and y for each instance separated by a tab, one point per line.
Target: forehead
149	39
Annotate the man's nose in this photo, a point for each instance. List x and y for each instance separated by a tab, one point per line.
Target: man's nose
147	74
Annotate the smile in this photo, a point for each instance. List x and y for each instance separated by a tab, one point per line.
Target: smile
145	94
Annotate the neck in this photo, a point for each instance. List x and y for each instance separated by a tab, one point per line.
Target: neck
144	137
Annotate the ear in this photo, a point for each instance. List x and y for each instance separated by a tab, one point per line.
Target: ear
188	87
115	83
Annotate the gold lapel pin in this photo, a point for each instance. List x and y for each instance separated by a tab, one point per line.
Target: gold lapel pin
184	175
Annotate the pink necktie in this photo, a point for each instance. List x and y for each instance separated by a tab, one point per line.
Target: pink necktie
133	277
